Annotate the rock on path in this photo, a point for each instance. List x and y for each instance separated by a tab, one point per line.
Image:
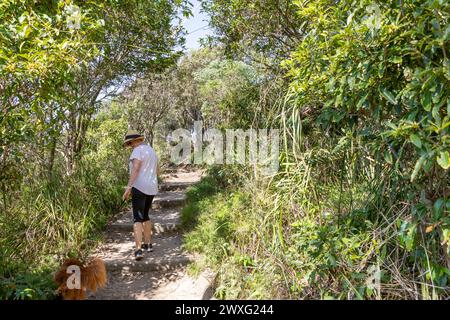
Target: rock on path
162	273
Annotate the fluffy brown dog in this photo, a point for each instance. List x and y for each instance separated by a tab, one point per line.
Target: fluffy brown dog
92	277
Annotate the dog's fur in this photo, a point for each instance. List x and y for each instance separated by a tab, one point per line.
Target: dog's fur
93	276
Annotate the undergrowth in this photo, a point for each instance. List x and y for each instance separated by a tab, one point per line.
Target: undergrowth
274	241
50	218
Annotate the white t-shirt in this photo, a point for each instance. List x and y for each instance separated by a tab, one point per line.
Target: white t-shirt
146	181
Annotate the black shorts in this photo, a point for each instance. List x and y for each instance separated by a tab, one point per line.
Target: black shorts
141	203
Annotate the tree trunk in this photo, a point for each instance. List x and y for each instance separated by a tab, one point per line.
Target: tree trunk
51	158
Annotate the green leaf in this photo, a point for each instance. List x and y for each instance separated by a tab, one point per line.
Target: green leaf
331	259
435	113
362	101
426	101
410	237
446	238
388	157
407	234
389	96
381	69
443	159
417	167
415	140
438	208
397	59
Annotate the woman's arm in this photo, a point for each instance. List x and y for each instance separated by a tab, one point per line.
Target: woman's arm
133	176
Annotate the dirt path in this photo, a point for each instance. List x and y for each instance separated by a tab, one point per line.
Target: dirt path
162	273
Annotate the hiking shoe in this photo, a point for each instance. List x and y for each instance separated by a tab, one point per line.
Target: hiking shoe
147	247
138	254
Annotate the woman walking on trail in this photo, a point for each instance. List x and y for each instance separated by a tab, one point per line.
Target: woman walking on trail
142	186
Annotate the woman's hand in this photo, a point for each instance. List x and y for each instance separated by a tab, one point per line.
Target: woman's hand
126	194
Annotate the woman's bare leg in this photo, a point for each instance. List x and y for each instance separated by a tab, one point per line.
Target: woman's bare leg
147	232
138	234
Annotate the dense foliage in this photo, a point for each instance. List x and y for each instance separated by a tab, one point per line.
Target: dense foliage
380	73
61	162
358	88
360	206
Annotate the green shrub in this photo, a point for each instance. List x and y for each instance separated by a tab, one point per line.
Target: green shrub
58	216
28	286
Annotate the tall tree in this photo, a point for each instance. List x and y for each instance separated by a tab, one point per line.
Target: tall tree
139	37
263	30
150	100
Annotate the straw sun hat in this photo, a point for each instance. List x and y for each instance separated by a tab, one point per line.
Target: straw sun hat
132	135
